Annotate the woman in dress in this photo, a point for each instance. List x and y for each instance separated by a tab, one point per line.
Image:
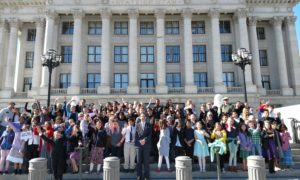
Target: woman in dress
287	161
220	134
269	147
163	144
245	144
200	147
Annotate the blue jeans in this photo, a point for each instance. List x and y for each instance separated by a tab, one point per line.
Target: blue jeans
256	147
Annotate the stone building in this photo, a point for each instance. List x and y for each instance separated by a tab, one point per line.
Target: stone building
138	49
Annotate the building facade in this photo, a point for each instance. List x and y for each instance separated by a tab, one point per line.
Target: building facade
139	49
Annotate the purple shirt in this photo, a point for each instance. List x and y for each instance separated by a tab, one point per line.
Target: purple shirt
245	141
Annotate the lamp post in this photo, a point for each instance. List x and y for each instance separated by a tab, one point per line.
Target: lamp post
241	58
51	60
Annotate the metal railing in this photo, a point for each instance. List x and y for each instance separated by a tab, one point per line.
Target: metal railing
273	92
147	90
118	91
235	90
205	90
176	90
59	91
20	94
88	91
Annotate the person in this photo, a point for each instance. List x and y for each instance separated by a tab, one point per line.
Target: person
278	144
6	112
226	108
178	139
6	143
143	143
256	138
268	139
74	141
232	139
128	133
116	139
220	134
163	145
58	153
189	139
45	148
285	136
200	147
245	144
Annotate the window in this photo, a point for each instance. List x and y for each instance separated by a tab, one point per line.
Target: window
173	80
225	27
66	54
228	79
146	28
95	27
93	80
172	27
121	28
121	54
31	33
94	54
27	84
173	54
265	80
147	54
29	59
226	51
199	53
68	27
198	27
147	83
64	80
200	79
260	33
263	57
121	81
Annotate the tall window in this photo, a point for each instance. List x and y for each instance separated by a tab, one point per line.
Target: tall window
265	80
95	27
225	27
147	54
172	27
173	80
228	79
200	79
226	51
68	27
146	28
121	80
31	33
66	54
147	81
173	54
29	59
121	54
27	84
121	28
94	54
260	33
199	53
64	80
198	27
93	80
263	57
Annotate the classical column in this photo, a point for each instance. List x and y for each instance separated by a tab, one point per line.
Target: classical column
37	63
189	86
161	87
104	88
252	21
76	56
8	89
241	15
281	60
133	87
48	44
215	52
293	52
3	34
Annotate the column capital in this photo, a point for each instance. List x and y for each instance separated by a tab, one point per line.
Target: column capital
187	13
252	21
39	22
105	13
277	21
78	13
241	13
290	20
14	22
133	13
51	14
160	13
214	13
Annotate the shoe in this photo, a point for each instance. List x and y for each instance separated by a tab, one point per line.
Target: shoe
138	178
6	172
223	170
146	178
75	172
158	170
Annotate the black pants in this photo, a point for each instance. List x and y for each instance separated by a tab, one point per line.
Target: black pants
116	151
222	160
31	153
272	165
189	151
58	168
143	158
179	151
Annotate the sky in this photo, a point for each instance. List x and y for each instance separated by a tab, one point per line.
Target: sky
297	13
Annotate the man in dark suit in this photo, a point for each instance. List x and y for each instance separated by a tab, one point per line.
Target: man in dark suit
143	143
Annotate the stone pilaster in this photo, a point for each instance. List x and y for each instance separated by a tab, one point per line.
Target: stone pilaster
3	41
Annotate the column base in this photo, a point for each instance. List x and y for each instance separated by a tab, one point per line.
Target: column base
75	90
297	90
251	88
161	89
133	89
43	91
262	91
7	93
190	89
286	91
103	90
220	88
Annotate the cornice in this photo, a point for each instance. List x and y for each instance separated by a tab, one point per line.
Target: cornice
18	3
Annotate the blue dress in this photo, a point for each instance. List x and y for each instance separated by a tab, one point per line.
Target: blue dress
200	149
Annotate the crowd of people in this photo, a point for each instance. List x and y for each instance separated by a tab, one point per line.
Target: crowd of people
139	130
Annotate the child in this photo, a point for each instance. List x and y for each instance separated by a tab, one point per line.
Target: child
220	134
6	144
232	139
200	147
287	161
163	145
178	139
268	139
255	137
128	133
189	139
245	144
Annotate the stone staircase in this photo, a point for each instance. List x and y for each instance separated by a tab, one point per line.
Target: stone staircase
296	155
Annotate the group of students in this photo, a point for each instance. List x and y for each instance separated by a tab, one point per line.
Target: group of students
133	131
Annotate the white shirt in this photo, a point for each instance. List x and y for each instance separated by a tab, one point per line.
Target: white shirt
35	139
126	132
5	112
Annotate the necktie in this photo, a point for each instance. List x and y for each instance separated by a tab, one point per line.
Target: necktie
131	134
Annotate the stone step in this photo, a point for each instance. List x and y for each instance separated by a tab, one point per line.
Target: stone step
295	152
295	145
296	158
